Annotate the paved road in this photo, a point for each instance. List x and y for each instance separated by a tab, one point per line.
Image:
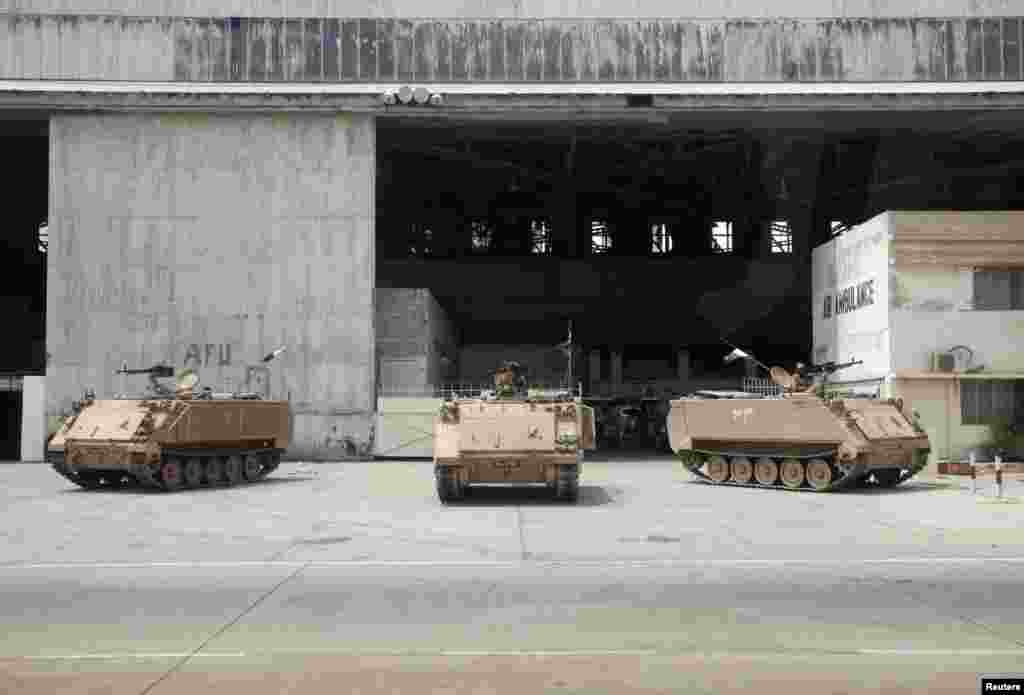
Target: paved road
351	578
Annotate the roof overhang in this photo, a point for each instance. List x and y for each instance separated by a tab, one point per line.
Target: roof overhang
483	98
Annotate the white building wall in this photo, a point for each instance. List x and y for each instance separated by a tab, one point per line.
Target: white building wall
850	289
932	312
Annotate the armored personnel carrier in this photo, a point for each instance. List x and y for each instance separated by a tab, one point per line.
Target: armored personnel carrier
796	440
171	439
515	436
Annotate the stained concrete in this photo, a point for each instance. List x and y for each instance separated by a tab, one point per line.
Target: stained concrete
711	9
207	241
619	46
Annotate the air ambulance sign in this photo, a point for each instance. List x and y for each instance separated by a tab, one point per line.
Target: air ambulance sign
849	299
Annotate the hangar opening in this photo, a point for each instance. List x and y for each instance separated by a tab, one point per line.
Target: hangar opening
657	237
23	242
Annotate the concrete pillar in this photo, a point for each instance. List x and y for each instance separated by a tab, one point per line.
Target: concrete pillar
683	365
565	226
616	375
595	366
218	238
33	419
449	241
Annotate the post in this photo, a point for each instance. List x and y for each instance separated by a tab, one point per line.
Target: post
616	370
999	476
974	477
595	370
683	365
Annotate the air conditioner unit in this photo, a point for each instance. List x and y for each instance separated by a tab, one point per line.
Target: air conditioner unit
943	362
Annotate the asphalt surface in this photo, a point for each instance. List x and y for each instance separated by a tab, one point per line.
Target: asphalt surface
353	578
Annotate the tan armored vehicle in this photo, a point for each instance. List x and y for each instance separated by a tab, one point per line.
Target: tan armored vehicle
796	440
517	436
171	439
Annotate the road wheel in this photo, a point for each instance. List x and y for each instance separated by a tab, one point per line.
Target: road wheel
193	472
170	474
567	487
447	484
819	474
718	469
766	471
233	470
741	469
273	460
252	467
90	481
113	480
888	477
214	471
792	473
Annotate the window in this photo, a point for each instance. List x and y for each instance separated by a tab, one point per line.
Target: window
420	238
540	237
600	237
998	290
483	235
43	238
721	237
661	239
987	402
782	237
835	227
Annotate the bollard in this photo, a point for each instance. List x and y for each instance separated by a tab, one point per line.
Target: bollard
974	477
999	477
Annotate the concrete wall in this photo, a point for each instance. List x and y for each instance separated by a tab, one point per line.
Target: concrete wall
443	347
931	303
33	419
207	241
455	43
850	289
923	239
933	312
416	348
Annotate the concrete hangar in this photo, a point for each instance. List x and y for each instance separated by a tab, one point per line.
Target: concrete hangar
404	192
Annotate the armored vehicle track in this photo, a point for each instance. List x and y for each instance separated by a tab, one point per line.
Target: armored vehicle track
801	471
177	471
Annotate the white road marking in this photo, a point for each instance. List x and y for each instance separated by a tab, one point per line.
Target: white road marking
213	564
940	652
412	652
132	655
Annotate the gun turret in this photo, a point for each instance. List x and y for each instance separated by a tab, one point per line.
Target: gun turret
157	371
827	368
510	380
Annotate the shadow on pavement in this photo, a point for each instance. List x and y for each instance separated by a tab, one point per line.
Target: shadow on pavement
494	496
907	488
134	489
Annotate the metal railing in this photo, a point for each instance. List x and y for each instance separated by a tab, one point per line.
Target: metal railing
760	386
999	474
974	463
11	383
461	390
